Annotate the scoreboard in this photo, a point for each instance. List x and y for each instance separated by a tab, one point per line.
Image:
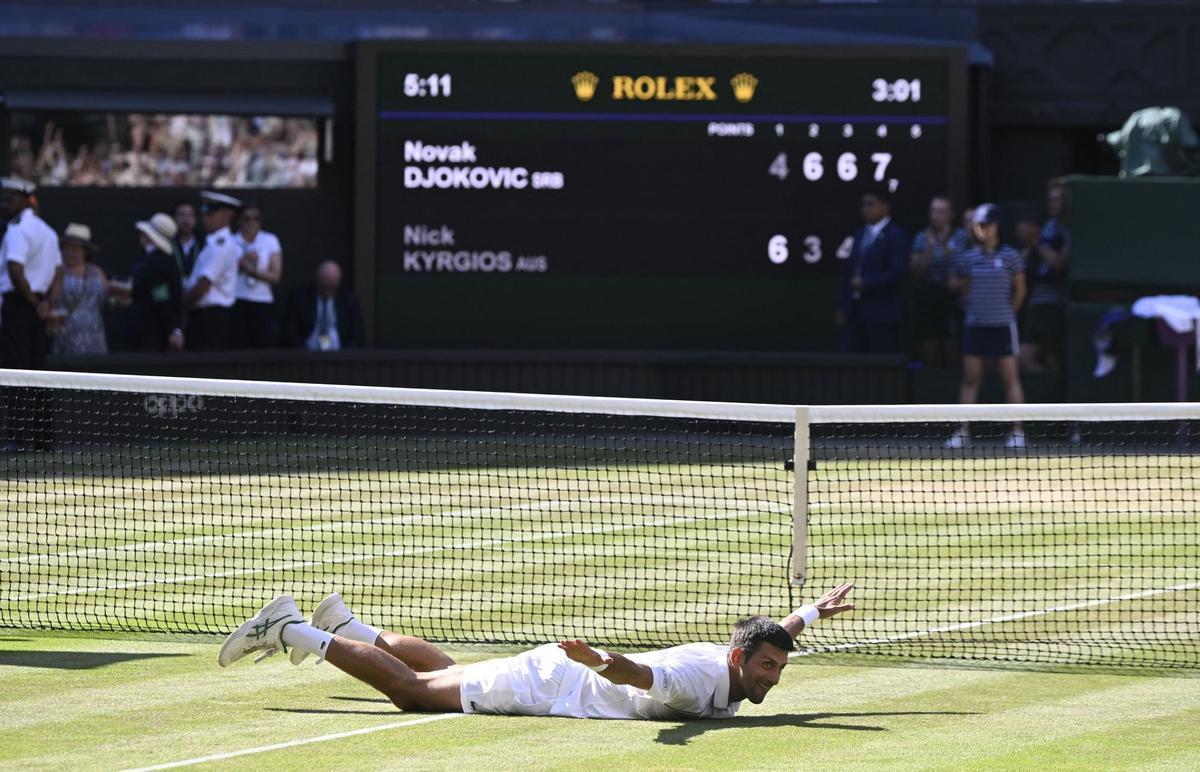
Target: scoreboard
600	197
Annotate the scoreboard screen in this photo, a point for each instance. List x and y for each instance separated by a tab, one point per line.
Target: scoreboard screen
599	197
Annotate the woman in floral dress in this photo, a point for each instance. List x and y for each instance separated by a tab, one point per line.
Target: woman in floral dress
79	297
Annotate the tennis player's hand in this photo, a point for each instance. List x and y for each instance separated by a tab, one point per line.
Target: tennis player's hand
833	602
584	654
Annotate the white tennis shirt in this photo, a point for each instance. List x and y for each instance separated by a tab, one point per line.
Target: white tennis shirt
690	681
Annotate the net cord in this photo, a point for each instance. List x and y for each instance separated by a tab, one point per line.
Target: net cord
554	403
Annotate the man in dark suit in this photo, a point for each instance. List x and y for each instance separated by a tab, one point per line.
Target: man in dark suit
323	316
870	304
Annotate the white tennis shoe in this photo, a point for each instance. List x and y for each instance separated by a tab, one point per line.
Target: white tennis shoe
261	632
330	615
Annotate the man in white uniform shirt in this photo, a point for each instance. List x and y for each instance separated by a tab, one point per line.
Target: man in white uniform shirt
210	289
569	679
30	264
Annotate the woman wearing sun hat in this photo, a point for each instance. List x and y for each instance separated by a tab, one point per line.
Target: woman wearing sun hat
155	322
78	297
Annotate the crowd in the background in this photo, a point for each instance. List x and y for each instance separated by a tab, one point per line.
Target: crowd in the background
144	150
957	294
206	279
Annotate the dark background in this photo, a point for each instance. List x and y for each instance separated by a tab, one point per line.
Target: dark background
659	239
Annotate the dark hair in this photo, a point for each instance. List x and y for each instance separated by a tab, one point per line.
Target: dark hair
750	634
880	194
182	202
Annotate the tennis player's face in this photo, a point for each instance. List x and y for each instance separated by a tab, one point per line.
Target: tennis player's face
761	671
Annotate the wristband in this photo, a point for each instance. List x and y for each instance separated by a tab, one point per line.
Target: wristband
808	613
601	667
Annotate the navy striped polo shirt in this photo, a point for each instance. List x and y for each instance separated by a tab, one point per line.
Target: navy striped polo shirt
1048	286
943	258
989	300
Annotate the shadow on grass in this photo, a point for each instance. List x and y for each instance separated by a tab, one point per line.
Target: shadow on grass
74	660
336	712
383	700
11	639
682	734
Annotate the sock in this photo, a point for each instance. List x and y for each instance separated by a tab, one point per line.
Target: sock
357	631
304	636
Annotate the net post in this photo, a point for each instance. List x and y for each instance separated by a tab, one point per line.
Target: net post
800	453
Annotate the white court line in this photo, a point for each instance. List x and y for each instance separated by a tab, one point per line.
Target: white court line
142	546
295	743
1001	619
649	499
362	558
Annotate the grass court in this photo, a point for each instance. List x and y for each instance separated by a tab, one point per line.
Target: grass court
1015	559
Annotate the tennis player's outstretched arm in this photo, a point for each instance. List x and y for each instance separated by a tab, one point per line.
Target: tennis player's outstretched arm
832	602
618	669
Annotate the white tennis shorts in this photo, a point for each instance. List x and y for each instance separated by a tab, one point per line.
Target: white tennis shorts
525	685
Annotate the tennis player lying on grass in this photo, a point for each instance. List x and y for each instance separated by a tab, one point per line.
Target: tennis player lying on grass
698	680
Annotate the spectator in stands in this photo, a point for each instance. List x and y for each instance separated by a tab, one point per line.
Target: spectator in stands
30	261
1046	265
21	156
161	150
156	287
210	290
186	238
992	278
260	269
78	296
968	227
870	303
936	312
324	316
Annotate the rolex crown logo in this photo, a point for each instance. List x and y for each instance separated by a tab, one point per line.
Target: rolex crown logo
585	85
743	86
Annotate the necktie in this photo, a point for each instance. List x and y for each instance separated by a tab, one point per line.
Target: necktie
323	317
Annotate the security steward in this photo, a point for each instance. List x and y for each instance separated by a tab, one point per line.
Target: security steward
30	264
210	290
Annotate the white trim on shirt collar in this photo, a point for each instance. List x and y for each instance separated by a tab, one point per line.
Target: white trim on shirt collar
878	227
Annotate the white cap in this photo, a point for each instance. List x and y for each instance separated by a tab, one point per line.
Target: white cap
986	214
212	200
17	185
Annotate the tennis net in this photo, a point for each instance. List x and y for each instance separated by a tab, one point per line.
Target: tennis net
181	505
